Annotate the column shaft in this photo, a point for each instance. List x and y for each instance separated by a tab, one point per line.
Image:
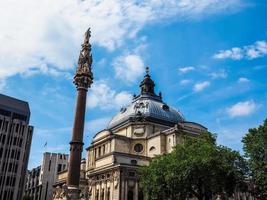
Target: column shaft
76	143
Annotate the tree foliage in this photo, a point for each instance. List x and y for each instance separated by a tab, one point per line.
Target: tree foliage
196	168
255	148
27	197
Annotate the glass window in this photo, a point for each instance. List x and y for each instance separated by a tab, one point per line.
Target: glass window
138	148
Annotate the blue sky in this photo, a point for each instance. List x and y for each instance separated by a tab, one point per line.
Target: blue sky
207	57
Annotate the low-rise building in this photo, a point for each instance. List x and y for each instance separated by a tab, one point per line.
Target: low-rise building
62	181
40	180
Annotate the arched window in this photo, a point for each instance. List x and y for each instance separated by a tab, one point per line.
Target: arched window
152	148
130	195
108	194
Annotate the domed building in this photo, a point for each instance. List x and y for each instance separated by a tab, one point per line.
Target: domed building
145	128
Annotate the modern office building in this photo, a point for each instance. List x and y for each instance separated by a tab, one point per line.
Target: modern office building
15	144
40	180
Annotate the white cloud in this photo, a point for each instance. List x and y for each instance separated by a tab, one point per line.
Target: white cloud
256	50
128	67
240	109
48	32
185	82
184	70
219	74
96	125
235	53
243	80
2	84
102	96
201	86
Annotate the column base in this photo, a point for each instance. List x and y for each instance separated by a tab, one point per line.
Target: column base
73	193
67	193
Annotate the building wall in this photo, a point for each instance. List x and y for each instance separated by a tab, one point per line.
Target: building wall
15	143
113	173
33	187
42	189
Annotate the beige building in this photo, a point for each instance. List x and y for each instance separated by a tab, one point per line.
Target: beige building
15	144
147	127
58	192
40	180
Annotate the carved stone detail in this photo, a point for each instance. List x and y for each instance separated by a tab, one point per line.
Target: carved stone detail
84	76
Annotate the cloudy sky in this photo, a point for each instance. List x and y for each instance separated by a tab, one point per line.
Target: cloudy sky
207	57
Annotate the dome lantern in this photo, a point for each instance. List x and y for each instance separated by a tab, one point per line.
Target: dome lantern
147	85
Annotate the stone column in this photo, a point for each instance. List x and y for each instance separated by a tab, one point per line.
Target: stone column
83	79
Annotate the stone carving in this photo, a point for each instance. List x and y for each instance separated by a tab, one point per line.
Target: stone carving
140	105
84	76
84	195
139	131
116	179
60	193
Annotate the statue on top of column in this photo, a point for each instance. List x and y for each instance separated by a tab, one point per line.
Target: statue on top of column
84	77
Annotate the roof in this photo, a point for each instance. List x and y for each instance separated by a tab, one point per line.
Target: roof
147	106
14	105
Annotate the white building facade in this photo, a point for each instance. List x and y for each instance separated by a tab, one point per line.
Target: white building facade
40	180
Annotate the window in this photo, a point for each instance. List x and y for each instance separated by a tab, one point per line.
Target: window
97	195
6	126
99	151
1	152
20	142
132	174
108	194
152	148
104	149
134	162
59	167
17	128
140	195
14	140
130	195
18	155
102	194
12	153
3	139
49	165
165	107
10	167
138	148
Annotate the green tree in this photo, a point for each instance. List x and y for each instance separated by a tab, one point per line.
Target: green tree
197	168
27	197
255	148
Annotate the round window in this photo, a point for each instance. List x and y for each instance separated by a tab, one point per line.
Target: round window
138	148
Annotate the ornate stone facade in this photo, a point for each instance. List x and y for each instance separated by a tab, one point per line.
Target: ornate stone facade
145	128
